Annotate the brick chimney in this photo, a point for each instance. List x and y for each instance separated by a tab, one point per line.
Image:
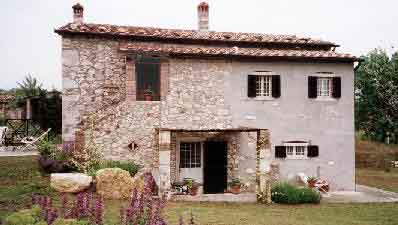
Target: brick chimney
78	13
203	16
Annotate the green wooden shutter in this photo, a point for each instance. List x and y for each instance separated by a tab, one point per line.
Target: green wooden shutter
312	87
251	86
312	151
280	151
336	87
276	86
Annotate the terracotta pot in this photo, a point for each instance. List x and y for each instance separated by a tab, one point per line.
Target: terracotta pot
193	191
235	189
311	184
148	97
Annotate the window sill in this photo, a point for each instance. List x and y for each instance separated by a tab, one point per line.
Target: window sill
326	99
262	99
297	158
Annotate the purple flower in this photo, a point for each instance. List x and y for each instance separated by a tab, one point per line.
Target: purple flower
52	215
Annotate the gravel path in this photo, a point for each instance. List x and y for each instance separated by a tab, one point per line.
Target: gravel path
17	151
363	194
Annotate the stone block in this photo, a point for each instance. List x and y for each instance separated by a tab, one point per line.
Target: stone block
70	57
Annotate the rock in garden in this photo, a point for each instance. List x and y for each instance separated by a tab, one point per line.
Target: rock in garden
70	182
114	183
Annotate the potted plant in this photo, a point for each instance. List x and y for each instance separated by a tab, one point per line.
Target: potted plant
192	186
235	186
312	181
148	94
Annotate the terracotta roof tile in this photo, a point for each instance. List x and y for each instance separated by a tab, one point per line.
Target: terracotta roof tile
233	51
6	98
177	34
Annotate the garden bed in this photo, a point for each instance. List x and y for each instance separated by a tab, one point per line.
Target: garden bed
19	177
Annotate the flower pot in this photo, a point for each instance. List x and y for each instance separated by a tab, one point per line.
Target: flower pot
235	189
193	191
312	183
148	97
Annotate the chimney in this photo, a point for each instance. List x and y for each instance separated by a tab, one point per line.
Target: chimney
203	16
78	13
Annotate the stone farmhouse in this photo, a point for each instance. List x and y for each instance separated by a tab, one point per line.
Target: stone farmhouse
209	105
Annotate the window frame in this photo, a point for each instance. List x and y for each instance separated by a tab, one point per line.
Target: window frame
324	85
195	160
266	77
263	86
140	96
293	146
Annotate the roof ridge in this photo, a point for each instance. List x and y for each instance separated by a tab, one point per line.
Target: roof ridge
187	34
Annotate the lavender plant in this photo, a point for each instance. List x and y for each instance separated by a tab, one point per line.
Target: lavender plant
84	207
144	208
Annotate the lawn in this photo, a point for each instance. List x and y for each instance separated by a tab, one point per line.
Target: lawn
378	178
19	177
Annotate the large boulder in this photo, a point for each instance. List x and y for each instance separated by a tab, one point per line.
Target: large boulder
70	182
114	183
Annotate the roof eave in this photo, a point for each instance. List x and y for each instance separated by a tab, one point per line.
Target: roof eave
62	33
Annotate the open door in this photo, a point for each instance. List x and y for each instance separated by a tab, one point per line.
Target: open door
215	167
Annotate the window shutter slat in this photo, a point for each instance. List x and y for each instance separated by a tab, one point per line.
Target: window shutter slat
336	85
276	86
280	151
312	151
312	87
251	86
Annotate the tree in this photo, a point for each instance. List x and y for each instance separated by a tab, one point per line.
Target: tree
29	87
376	96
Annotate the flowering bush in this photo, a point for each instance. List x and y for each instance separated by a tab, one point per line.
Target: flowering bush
86	157
143	207
85	208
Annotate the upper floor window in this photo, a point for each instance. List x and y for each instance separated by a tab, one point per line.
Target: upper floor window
263	84
324	86
148	78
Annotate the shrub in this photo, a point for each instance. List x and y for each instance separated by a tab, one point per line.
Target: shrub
131	167
25	217
2	120
285	193
49	149
85	157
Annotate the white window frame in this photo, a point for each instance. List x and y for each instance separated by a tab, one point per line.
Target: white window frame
263	85
324	87
192	163
292	150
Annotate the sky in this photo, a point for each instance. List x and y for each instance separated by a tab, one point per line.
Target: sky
28	44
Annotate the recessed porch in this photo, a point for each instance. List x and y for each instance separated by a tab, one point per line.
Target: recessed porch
213	158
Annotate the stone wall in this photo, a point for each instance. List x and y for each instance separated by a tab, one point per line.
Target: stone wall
203	94
98	79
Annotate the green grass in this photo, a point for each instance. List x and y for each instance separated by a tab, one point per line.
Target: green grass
378	178
19	177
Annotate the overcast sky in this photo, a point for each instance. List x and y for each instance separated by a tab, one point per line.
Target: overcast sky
29	45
